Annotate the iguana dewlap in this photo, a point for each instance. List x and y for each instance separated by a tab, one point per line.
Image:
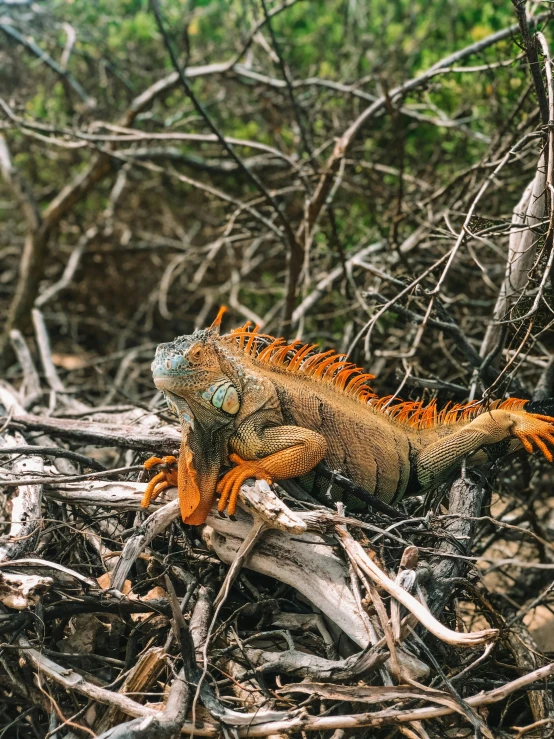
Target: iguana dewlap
274	410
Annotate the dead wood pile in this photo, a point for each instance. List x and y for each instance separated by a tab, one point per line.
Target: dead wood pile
292	620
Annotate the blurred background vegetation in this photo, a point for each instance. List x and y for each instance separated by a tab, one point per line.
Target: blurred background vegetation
160	234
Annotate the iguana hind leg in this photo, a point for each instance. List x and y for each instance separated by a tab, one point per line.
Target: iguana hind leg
491	427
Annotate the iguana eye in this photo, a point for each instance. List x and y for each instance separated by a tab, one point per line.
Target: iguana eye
195	354
168	364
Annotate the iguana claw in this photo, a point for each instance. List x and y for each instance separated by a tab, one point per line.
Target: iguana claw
229	486
534	428
166	478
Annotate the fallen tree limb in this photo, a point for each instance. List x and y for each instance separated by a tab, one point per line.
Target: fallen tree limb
393	717
164	439
306	562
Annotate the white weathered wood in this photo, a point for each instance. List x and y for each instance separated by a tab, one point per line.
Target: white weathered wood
522	249
118	495
22	591
423	615
260	501
26	516
60	574
307	561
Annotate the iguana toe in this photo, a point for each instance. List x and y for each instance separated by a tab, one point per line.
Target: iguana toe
534	429
230	484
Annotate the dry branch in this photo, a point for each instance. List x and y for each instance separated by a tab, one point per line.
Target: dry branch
525	235
26	509
164	440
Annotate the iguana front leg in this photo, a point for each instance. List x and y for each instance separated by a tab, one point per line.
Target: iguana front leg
268	453
491	427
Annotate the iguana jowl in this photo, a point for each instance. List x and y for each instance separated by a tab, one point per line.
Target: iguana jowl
275	410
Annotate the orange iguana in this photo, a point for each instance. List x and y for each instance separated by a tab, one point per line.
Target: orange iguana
274	410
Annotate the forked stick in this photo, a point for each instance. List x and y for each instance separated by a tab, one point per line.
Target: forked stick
356	552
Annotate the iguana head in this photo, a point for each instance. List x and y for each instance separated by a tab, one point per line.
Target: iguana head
189	372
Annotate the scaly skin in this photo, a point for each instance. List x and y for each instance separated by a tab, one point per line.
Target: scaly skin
275	410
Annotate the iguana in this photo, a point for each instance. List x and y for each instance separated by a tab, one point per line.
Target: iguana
275	410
